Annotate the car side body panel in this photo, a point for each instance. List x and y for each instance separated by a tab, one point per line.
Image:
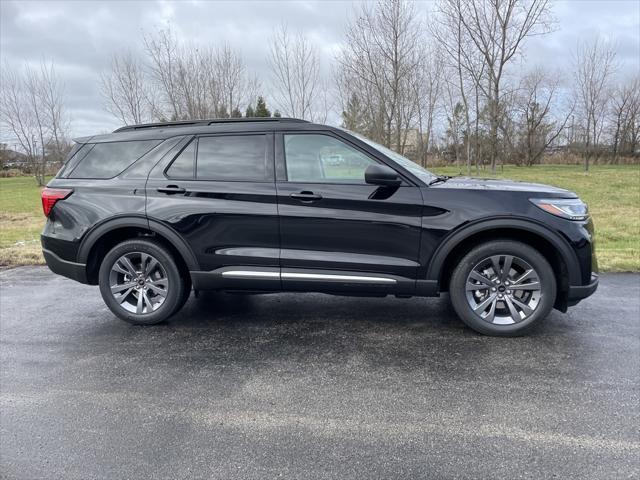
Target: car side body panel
354	239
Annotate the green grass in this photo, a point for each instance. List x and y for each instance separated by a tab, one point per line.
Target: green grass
21	221
613	194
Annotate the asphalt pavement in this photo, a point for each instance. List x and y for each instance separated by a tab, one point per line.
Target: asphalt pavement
313	386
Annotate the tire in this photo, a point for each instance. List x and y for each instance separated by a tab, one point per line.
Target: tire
186	293
165	291
489	301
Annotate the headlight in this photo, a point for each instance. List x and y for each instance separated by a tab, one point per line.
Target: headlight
569	208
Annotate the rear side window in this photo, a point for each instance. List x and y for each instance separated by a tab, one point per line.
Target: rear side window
182	166
76	154
106	160
232	157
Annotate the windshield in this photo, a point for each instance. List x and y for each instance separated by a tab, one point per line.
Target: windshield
420	172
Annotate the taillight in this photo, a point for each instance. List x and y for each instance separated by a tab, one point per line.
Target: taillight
51	195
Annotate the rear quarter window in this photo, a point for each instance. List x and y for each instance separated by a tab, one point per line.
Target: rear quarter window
76	154
106	160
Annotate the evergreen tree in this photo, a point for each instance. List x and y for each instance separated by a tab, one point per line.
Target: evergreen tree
261	108
353	117
222	112
249	113
277	114
236	113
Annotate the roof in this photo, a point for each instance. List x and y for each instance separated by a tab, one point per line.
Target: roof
206	122
164	130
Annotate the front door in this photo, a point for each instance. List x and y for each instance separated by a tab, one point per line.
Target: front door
337	232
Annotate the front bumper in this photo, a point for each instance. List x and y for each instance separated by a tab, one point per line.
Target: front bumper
72	270
580	292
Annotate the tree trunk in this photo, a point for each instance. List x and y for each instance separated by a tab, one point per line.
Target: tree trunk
493	132
476	149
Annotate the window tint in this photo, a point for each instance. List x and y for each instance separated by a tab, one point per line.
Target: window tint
182	167
240	157
75	155
323	159
106	160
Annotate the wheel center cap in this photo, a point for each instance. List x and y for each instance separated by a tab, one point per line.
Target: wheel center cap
501	288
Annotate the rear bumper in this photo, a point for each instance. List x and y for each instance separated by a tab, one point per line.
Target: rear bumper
580	292
72	270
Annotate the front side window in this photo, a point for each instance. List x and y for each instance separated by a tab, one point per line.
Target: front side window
106	160
316	158
232	158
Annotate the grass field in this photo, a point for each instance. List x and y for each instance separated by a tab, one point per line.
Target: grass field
613	194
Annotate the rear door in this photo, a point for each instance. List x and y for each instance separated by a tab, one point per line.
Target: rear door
337	232
219	194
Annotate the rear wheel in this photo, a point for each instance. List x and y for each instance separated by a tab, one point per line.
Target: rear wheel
141	283
186	293
502	288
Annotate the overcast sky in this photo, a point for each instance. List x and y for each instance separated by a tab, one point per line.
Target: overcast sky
80	37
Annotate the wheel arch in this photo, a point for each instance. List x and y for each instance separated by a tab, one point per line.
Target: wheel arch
552	246
104	236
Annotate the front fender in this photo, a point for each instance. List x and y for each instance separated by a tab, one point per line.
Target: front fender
453	239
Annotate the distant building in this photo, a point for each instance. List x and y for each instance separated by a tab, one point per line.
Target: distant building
412	140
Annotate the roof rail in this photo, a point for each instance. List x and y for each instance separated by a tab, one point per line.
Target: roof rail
204	123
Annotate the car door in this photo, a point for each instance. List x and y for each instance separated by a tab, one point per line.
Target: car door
219	194
337	232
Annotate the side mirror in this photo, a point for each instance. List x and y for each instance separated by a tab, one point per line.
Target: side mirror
382	175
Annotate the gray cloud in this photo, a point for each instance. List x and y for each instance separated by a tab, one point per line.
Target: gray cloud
81	37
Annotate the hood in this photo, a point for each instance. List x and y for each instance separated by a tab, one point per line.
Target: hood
470	183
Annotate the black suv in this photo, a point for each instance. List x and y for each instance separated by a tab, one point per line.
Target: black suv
151	211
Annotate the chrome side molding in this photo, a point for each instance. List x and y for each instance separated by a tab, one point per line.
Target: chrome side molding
308	276
336	278
250	274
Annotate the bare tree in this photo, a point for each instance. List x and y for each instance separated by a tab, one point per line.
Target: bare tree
463	60
498	28
183	78
31	109
236	89
382	54
594	66
427	94
196	82
52	98
163	65
538	95
198	91
625	113
295	66
125	89
455	121
630	132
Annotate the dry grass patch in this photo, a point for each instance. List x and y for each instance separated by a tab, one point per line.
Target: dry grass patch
21	254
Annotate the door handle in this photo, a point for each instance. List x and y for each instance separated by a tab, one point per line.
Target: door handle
306	196
171	189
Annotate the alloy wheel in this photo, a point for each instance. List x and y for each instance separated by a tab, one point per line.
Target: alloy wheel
503	289
138	282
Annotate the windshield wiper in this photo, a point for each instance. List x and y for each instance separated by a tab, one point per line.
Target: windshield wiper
439	179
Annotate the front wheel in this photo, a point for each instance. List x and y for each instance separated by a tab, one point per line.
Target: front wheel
141	283
502	288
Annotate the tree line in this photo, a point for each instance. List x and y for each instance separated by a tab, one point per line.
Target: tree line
450	82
